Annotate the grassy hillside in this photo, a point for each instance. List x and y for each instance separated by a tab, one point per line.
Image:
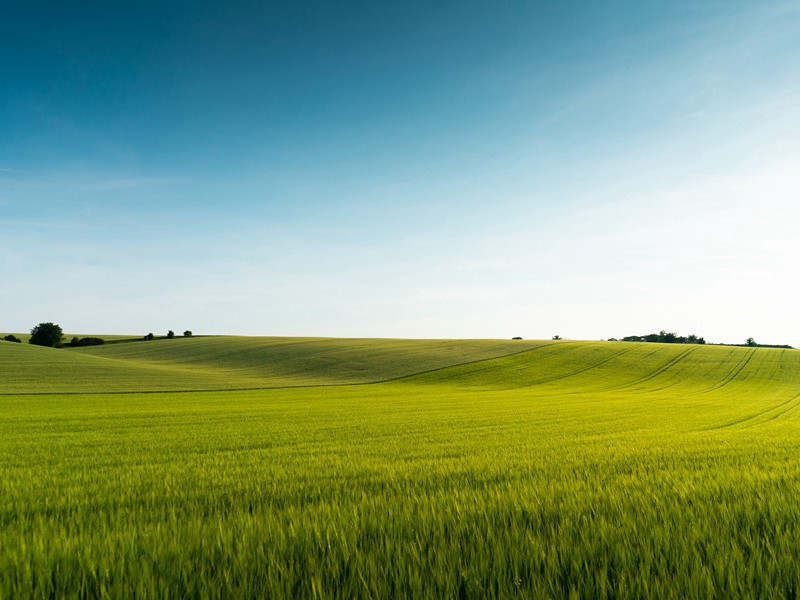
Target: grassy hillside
214	363
68	336
217	363
572	469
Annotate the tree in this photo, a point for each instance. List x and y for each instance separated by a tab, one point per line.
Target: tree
12	338
556	337
47	334
751	342
149	336
170	334
187	333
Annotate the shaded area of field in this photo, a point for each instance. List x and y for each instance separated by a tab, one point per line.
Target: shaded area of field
587	469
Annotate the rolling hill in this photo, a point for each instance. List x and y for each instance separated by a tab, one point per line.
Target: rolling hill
221	363
216	363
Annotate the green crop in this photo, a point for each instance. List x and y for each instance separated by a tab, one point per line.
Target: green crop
222	363
567	469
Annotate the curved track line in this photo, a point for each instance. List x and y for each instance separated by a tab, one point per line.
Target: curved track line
795	399
669	364
578	372
734	372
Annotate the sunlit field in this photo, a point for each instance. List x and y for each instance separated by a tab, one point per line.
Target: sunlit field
388	468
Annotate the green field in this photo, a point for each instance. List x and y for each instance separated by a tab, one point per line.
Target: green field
392	468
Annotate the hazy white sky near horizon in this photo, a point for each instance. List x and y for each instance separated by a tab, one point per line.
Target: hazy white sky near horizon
427	171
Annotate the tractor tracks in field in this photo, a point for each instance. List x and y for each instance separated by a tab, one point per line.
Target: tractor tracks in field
733	373
663	368
583	370
470	362
780	410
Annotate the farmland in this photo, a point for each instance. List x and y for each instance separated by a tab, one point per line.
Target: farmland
241	467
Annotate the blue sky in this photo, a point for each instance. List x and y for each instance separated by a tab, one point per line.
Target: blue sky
417	169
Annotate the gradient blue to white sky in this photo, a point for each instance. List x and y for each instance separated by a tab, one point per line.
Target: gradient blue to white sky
404	169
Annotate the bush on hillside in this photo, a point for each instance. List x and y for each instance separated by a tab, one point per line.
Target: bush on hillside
87	341
47	334
12	338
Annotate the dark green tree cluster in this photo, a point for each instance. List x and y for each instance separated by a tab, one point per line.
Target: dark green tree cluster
665	337
47	334
12	338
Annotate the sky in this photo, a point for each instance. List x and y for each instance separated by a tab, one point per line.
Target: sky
402	169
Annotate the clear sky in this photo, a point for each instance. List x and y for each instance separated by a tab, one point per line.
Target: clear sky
406	169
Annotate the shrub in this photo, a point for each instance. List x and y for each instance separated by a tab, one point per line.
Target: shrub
12	338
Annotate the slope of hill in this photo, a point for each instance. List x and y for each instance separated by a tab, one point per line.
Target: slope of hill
207	363
630	366
218	363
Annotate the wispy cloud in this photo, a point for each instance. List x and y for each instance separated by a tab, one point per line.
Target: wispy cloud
89	182
111	185
30	224
16	171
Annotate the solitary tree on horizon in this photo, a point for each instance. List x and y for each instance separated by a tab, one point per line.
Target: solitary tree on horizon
47	334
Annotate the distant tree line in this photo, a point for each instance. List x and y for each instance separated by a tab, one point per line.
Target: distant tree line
51	335
169	336
665	337
753	344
